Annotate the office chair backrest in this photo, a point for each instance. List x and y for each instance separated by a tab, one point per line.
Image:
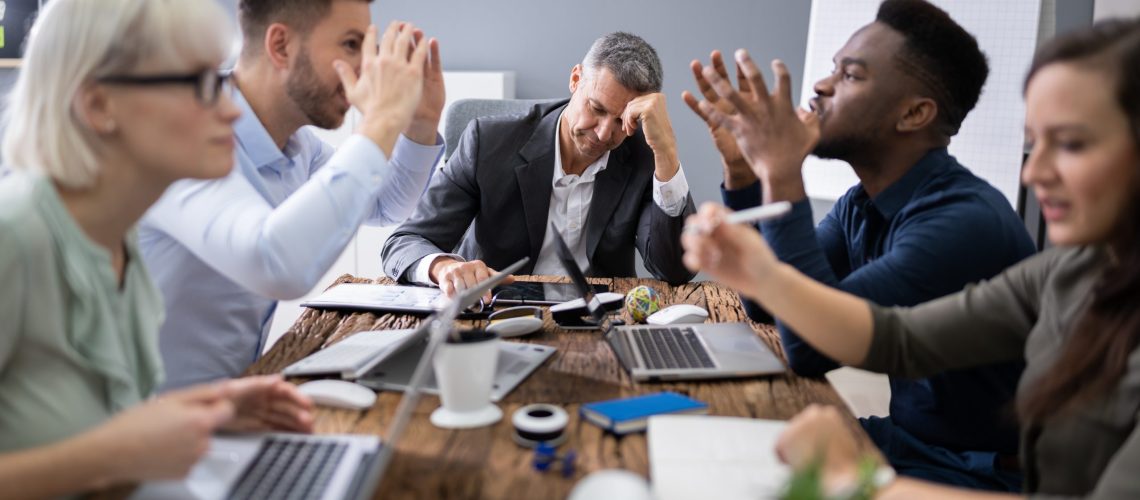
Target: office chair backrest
463	111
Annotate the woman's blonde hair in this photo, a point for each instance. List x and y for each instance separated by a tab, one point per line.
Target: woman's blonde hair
74	42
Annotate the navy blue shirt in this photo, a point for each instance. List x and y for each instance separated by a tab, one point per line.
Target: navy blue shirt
935	230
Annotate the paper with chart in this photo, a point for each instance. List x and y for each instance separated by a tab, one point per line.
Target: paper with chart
991	140
696	456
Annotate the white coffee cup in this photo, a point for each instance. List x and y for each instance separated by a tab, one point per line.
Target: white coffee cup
465	371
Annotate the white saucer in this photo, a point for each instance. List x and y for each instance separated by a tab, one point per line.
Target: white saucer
447	419
515	327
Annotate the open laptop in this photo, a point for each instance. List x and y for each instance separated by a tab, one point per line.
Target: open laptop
325	467
385	360
359	354
675	352
516	362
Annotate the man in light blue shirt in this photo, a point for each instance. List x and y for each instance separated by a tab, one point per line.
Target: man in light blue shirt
224	252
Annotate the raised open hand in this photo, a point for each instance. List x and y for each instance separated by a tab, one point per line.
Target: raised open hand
390	85
737	172
425	120
772	134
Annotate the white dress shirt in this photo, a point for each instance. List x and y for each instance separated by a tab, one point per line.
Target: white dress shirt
570	208
224	251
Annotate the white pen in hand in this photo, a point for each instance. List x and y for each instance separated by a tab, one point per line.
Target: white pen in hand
753	215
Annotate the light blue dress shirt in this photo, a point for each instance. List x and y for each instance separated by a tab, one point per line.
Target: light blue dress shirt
224	251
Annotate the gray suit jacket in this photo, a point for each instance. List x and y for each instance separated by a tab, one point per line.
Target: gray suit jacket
490	202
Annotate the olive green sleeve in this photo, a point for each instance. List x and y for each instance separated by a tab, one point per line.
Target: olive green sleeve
1119	479
983	324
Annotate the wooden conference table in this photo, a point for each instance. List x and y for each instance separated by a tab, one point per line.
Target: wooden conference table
485	463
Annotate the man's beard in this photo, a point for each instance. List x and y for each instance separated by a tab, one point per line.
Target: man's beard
844	147
305	90
848	145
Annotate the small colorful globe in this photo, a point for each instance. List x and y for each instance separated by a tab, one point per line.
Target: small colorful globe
642	301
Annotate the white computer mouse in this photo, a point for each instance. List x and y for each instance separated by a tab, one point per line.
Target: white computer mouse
616	484
515	321
339	394
678	314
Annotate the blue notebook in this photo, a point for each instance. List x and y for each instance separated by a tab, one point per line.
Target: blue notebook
623	416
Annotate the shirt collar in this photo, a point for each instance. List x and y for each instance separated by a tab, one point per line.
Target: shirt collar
591	171
898	194
255	141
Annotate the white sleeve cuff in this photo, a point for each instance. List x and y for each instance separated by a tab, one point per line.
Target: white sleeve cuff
412	155
361	159
365	161
672	196
422	273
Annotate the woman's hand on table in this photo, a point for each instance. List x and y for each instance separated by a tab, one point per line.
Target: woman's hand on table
267	403
820	434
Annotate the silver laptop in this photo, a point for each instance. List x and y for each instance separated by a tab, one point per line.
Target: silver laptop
355	356
384	360
517	360
326	467
675	352
259	466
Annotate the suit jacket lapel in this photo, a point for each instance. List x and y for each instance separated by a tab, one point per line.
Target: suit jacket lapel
608	188
535	176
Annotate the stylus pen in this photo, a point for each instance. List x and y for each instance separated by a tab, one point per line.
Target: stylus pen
751	216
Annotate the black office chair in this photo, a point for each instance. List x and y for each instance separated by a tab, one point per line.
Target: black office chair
1029	208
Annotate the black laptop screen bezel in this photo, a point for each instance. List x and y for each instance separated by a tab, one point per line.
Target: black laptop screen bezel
566	257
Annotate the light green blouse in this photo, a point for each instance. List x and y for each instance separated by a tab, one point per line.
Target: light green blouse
75	348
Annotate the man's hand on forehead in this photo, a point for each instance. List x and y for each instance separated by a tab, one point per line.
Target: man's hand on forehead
626	114
650	113
639	109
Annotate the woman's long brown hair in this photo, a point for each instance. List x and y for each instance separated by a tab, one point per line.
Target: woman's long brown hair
1095	357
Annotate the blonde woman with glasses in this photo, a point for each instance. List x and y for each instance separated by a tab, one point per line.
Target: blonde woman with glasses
116	100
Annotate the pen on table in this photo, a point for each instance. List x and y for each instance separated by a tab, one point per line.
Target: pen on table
750	216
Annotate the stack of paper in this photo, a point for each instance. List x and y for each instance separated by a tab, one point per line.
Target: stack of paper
715	457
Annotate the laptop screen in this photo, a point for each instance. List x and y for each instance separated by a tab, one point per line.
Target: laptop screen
566	257
440	326
604	320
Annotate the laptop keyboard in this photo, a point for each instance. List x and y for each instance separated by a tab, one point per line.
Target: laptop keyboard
340	355
671	348
289	469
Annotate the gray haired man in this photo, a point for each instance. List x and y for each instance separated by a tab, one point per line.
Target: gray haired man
602	166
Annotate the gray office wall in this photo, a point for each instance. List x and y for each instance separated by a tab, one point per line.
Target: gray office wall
541	40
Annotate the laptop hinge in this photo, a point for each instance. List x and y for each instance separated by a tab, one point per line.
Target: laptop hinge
365	480
620	344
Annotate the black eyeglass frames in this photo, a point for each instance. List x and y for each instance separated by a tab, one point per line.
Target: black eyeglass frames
208	84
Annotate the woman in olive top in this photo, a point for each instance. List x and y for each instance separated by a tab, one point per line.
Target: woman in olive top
1072	312
115	100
